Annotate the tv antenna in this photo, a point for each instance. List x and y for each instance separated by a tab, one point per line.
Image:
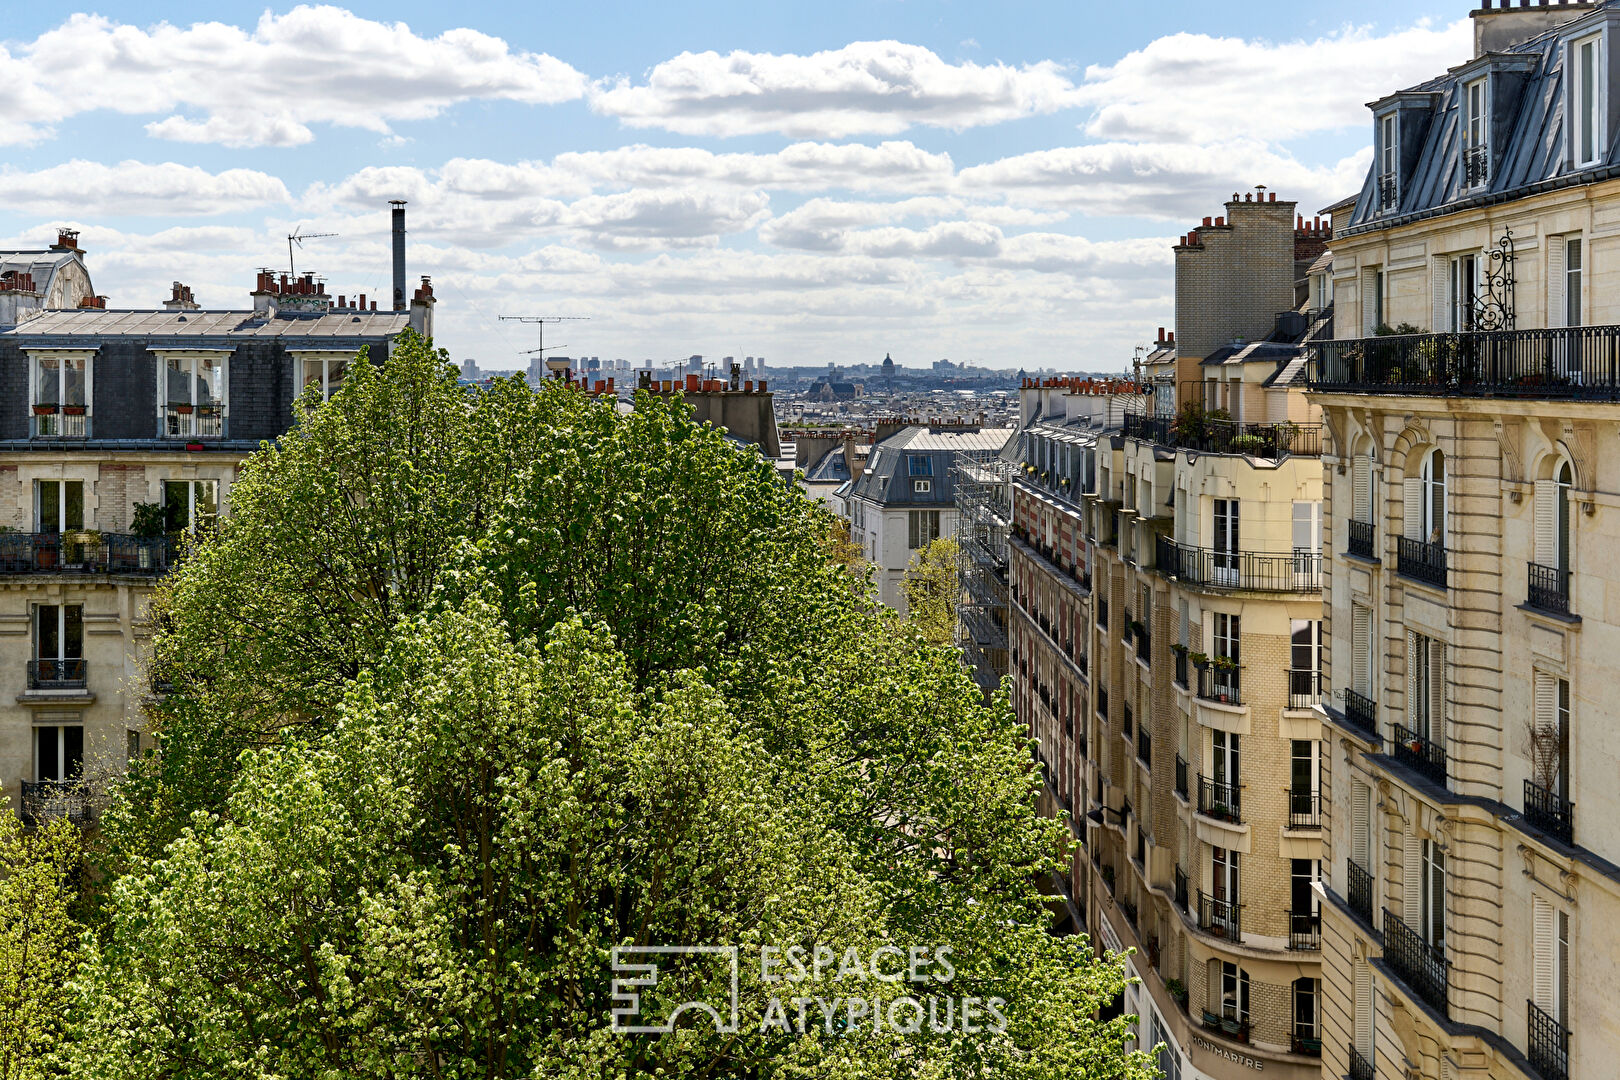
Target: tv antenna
540	321
298	236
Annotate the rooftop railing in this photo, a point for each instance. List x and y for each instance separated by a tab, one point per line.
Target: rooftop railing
1574	362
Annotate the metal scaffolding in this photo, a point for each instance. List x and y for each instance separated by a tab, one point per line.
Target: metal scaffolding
983	515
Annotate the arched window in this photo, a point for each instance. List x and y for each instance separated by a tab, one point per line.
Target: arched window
1426	500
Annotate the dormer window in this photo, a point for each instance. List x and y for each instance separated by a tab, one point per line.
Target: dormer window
1476	138
1389	187
1584	63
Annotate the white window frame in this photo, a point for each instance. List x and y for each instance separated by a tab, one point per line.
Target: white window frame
1432	914
186	423
1389	159
1574	279
60	730
922	487
55	425
191	486
325	358
1464	292
61	525
1586	148
1476	126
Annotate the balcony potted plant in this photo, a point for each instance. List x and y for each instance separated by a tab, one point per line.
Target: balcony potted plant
42	408
1200	661
1178	648
1178	990
181	407
73	410
1137	629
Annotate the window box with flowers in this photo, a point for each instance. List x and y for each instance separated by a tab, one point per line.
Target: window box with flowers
73	410
44	409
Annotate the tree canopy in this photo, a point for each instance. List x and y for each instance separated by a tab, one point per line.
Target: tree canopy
469	693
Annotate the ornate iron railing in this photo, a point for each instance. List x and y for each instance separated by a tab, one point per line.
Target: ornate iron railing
49	800
1228	436
1360	539
1360	885
1304	930
1245	571
1389	190
1548	589
1420	965
1580	362
1360	712
1219	917
1549	812
83	553
1422	755
1549	1045
1360	1067
1421	561
1477	165
57	674
1224	802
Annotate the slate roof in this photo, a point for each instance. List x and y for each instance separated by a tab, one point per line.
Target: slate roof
887	479
1530	158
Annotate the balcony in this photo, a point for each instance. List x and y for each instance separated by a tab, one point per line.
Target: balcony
1181	666
1549	812
1214	436
1309	1045
1304	688
1228	1027
1421	561
1221	684
1304	809
53	800
1181	888
1360	713
83	553
1549	1045
1548	589
1223	802
1567	363
57	674
1361	540
1181	776
1144	747
1220	918
1242	571
1360	1067
66	422
1360	886
1427	759
1304	931
1419	965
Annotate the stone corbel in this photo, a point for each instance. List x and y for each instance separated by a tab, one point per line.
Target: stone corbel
1582	442
1510	437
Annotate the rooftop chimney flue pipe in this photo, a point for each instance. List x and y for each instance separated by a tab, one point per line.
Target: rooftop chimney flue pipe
399	253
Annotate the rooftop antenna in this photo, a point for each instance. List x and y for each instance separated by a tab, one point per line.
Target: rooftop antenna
298	236
541	321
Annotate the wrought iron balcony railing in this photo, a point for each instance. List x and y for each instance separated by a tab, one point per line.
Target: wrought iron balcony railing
1360	712
1548	589
1360	1067
1304	809
1304	687
1389	191
1221	801
1244	571
1181	776
1220	917
1419	965
1228	436
1549	1045
57	674
83	553
1549	812
1421	561
50	800
1360	539
1304	930
1423	756
1229	1027
1477	165
1220	684
1360	885
1574	362
1181	888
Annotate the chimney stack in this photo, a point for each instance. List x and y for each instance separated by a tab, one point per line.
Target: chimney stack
399	253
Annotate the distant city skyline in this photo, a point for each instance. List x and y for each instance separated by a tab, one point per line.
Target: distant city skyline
843	179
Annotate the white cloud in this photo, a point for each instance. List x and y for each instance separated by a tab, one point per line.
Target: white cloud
225	84
1208	89
91	189
864	88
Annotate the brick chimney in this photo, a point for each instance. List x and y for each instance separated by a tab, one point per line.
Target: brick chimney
67	240
180	298
1499	26
422	308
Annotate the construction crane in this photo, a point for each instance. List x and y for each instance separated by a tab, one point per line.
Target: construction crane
541	321
298	236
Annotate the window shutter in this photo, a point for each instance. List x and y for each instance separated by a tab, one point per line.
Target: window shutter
1547	522
1413	658
1542	765
1412	490
1369	302
1555	281
1440	320
1412	882
1437	692
1364	1010
1361	825
1543	966
1361	488
1361	650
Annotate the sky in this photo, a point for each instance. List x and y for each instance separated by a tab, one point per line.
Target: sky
808	182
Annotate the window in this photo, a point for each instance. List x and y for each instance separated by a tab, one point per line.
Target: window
132	745
58	506
192	394
1426	687
1550	959
1549	744
1464	289
919	465
1552	518
1432	913
1425	499
1169	1056
189	504
1304	769
1307	541
324	373
1226	561
1388	170
1361	825
1361	487
1475	151
60	393
1234	992
1378	299
1585	63
1305	1013
1573	265
922	487
922	528
1304	873
1226	758
58	752
58	660
1364	1011
1228	629
1304	656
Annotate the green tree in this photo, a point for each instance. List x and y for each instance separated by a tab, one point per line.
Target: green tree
933	591
469	692
38	940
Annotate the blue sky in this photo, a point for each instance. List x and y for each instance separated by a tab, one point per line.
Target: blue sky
808	182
